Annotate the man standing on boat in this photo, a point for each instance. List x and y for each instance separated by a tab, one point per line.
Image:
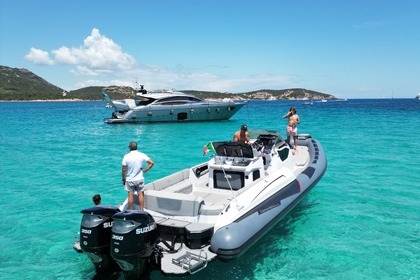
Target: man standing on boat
241	135
132	173
292	127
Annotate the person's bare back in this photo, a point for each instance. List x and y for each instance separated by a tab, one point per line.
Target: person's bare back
241	135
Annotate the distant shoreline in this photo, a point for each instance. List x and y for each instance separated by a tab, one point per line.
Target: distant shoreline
212	99
50	100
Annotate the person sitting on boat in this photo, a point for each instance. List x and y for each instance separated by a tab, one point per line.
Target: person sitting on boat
97	199
132	173
241	135
291	128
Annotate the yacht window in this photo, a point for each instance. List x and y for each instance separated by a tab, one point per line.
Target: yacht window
195	99
144	102
171	102
177	100
182	116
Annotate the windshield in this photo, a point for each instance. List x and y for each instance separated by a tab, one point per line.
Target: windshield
253	134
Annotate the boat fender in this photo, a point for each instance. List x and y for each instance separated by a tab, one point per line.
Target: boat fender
208	110
171	111
217	110
192	111
149	114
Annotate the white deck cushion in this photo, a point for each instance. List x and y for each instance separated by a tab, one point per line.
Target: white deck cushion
174	204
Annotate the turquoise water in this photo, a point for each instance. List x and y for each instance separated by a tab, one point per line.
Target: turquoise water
360	222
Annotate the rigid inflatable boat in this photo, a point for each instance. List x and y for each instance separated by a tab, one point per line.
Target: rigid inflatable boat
216	209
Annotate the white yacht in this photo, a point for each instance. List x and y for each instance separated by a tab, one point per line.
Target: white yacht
169	106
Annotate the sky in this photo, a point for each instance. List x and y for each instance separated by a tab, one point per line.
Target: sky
347	48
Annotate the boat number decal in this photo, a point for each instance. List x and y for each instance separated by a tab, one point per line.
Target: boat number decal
117	237
145	229
262	211
87	231
108	224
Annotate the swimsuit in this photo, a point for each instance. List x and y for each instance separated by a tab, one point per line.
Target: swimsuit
291	130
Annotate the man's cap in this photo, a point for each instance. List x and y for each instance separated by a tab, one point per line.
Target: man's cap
244	127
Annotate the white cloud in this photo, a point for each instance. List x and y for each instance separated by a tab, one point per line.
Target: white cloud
102	58
89	83
159	78
64	55
370	24
249	83
98	55
38	56
98	52
85	71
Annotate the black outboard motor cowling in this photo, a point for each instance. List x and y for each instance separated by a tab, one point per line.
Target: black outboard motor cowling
95	238
134	237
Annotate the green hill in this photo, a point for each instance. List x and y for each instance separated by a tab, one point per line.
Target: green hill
21	84
265	94
92	93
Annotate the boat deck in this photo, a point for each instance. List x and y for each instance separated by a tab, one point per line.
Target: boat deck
301	158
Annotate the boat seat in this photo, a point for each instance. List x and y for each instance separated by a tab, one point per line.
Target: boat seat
174	204
213	203
168	181
233	149
184	186
212	210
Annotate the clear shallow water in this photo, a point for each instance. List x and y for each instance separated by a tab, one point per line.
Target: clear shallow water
360	222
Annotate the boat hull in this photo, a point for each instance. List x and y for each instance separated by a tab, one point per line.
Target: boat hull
182	113
231	241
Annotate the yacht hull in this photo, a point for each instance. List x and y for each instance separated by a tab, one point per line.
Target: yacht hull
198	112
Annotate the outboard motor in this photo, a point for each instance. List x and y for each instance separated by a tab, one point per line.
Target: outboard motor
134	238
95	239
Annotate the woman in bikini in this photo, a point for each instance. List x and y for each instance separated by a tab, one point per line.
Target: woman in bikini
292	127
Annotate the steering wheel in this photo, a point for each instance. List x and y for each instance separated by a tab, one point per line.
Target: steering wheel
258	145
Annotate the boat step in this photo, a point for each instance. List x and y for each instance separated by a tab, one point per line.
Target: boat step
192	262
